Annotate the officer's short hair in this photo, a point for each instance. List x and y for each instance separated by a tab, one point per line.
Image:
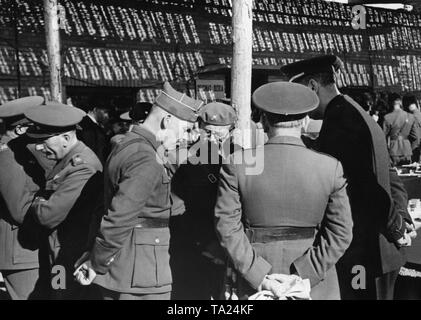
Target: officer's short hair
282	121
324	78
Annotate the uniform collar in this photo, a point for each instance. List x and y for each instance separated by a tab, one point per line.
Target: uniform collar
286	140
334	101
63	162
141	130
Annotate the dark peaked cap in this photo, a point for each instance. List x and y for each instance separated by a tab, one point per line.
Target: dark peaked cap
292	100
53	118
12	111
302	68
178	104
138	112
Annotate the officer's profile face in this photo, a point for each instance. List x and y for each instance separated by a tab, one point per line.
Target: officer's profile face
412	107
55	147
21	129
175	131
215	134
102	115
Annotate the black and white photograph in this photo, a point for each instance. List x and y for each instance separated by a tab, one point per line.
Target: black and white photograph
215	151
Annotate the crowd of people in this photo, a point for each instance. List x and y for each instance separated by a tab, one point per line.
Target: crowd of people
170	203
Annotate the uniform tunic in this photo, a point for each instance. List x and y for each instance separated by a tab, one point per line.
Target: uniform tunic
66	207
297	188
402	131
18	246
127	257
17	190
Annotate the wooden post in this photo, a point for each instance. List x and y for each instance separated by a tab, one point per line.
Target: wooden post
241	66
17	54
53	48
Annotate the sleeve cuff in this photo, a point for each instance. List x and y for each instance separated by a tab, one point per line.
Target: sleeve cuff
102	257
399	229
259	269
305	269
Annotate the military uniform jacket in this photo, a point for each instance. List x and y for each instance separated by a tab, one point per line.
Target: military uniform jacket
17	189
349	134
402	131
68	204
297	188
127	257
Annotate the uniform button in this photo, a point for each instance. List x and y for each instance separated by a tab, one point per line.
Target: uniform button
157	240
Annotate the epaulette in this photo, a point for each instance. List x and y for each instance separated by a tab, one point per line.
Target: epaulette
77	160
3	147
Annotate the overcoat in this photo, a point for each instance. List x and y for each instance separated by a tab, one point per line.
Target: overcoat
66	208
349	134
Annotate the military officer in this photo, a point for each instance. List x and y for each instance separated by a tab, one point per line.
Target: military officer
19	262
402	131
197	258
67	204
349	134
276	223
129	258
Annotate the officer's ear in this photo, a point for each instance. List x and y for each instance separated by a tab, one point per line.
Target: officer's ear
165	122
314	85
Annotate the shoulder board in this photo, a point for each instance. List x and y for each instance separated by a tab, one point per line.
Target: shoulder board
3	147
77	160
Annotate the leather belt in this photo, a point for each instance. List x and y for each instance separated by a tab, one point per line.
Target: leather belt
152	223
272	234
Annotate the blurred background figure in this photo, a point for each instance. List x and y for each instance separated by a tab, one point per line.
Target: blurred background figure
401	132
381	106
136	115
410	105
93	130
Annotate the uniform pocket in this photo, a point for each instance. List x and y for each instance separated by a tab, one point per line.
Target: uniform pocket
151	267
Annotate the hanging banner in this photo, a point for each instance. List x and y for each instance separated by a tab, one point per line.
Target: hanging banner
210	90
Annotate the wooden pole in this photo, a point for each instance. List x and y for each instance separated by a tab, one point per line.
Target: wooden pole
242	32
53	48
17	54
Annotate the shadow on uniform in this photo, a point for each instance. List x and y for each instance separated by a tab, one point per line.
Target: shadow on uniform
73	237
195	277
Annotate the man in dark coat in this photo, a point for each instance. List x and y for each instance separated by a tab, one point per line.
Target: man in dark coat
67	204
196	256
20	178
349	134
274	220
92	132
129	258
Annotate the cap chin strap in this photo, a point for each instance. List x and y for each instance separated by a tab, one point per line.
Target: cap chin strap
296	76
